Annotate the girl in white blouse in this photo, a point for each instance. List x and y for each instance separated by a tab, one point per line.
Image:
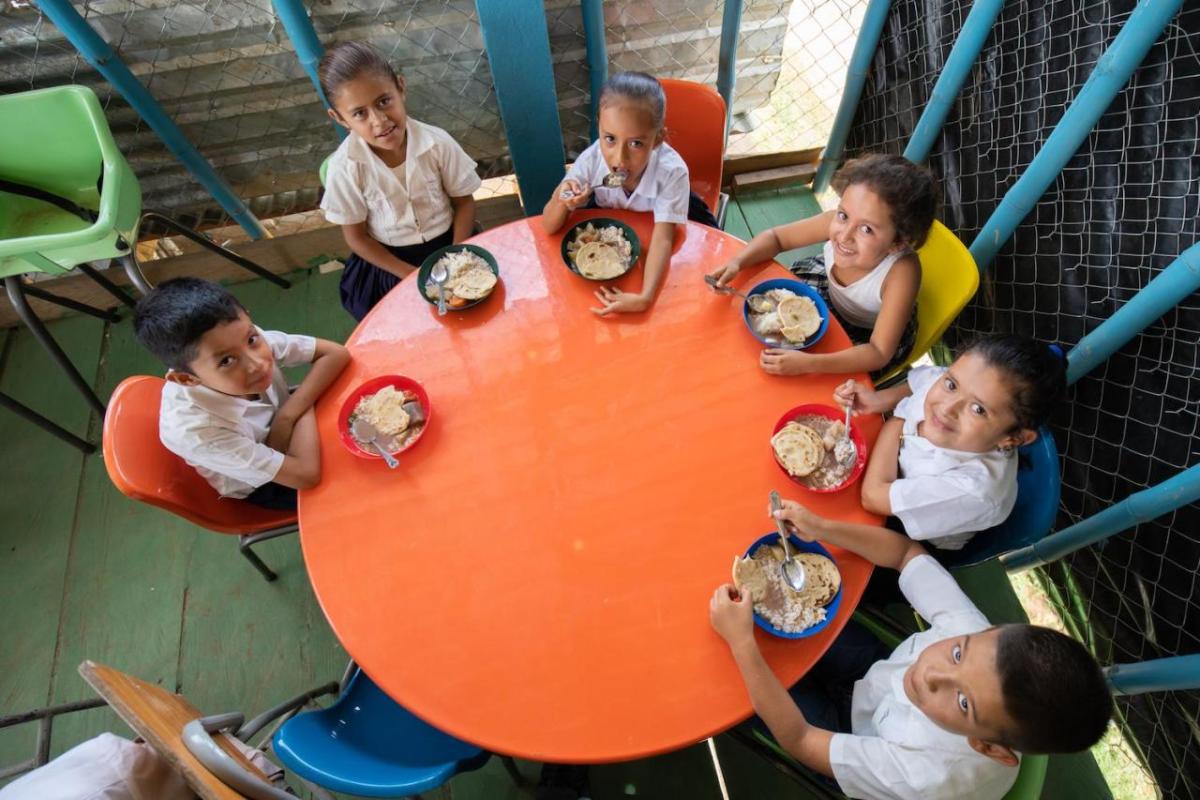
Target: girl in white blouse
869	273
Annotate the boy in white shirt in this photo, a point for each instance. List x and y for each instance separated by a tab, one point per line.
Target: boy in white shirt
399	188
226	408
948	714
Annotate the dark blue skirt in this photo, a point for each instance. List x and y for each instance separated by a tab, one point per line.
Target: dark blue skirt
364	284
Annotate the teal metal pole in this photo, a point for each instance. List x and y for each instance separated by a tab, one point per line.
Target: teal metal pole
1158	297
105	60
308	47
731	26
518	49
1112	72
975	31
597	55
856	78
1141	507
1159	675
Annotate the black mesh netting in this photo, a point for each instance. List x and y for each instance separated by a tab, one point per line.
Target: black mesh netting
1125	206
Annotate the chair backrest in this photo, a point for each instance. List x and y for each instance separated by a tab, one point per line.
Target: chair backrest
323	170
696	129
1038	485
144	470
949	279
158	717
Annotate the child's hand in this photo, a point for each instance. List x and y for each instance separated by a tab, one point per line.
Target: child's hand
861	398
572	194
785	362
731	615
799	520
613	301
279	436
726	273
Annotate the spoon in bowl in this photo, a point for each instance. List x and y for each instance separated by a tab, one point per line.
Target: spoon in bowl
845	451
439	275
758	303
366	433
793	571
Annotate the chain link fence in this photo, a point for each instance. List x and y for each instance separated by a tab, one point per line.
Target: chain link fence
1126	205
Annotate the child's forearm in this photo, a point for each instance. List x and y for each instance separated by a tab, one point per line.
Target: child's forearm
372	251
883	469
554	215
301	467
879	545
859	358
892	396
464	217
762	247
657	258
807	744
330	359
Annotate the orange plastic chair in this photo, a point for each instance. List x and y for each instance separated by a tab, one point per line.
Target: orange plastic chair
696	129
144	470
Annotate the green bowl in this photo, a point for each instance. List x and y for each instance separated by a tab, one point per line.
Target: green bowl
635	249
427	265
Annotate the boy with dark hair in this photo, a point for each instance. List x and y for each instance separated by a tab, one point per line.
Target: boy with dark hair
226	407
948	712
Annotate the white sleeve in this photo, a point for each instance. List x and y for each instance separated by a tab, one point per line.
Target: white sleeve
871	767
459	178
937	597
671	202
231	454
920	379
343	203
933	506
291	350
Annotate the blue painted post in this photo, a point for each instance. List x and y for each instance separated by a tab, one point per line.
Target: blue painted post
101	56
731	26
1112	72
1141	507
1158	297
856	77
597	55
518	49
975	30
308	47
1159	675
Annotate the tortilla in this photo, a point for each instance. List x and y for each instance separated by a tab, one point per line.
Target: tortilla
475	284
798	448
799	318
599	260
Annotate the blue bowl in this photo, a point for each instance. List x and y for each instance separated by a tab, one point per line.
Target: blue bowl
831	610
802	289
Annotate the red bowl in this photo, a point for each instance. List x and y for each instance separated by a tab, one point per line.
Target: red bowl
370	387
829	412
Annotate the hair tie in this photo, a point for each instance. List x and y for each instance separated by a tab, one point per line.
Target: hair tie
1058	351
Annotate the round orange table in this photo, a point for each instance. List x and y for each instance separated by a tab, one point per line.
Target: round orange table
535	576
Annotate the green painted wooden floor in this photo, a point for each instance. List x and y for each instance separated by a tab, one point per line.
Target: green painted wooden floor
87	574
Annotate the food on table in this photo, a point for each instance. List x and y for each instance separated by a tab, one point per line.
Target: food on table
759	576
783	311
470	278
397	416
600	253
810	448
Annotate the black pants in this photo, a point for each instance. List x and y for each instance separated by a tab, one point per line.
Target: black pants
364	284
274	496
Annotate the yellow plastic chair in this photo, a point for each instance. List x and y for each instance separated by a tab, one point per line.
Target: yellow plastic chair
949	279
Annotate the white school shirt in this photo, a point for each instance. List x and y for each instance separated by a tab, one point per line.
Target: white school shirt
664	188
222	435
947	496
859	302
360	187
896	752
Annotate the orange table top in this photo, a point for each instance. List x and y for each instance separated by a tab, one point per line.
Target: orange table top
535	576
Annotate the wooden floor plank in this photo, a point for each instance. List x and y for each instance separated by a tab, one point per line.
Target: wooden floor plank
39	481
763	210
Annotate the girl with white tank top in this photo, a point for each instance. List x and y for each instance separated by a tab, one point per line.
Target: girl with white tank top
869	271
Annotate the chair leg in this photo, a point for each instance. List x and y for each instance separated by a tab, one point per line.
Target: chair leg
74	305
87	448
252	557
209	244
134	272
511	767
107	285
12	285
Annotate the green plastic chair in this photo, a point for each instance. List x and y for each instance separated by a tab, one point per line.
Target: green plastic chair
67	198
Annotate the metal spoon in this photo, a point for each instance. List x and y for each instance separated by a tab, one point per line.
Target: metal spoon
365	432
612	181
845	451
793	571
758	303
439	275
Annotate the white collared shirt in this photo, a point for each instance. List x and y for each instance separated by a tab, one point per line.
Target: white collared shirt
896	752
360	187
663	189
946	496
222	435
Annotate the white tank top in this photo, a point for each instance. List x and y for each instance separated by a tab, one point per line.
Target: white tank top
859	303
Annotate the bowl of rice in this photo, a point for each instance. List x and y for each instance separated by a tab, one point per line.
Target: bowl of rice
473	276
778	609
785	313
827	472
600	249
381	401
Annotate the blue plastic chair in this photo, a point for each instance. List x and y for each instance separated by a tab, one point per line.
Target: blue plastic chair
366	744
1038	485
